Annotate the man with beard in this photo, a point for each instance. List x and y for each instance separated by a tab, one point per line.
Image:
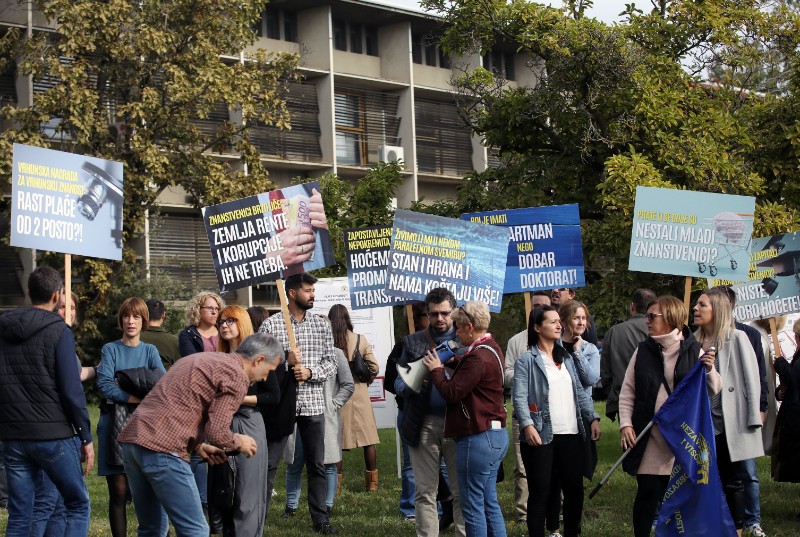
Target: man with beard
315	362
423	419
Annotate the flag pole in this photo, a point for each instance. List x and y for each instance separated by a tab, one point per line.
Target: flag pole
619	461
687	294
528	304
287	320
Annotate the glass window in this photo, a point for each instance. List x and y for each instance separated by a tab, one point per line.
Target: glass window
444	60
416	48
508	60
372	41
290	26
340	35
356	44
273	25
430	55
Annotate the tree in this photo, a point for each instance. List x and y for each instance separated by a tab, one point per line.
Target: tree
621	106
152	70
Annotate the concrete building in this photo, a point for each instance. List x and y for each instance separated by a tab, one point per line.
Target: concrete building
376	87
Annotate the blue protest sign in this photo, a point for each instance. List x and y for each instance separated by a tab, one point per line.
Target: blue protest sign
432	251
366	252
68	203
544	249
773	286
696	234
269	236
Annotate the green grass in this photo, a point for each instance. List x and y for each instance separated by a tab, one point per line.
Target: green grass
359	513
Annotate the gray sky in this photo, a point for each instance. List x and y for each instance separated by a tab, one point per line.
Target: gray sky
606	10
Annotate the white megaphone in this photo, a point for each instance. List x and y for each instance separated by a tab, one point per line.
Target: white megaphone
415	373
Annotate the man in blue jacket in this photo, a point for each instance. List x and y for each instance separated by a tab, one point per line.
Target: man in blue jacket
423	418
44	425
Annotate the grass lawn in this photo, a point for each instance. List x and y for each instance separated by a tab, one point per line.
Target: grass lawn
359	513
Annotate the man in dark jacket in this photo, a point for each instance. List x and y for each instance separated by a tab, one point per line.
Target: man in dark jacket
423	420
44	425
618	346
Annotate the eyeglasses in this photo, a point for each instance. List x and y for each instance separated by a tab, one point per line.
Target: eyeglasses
228	321
469	317
652	316
435	314
212	309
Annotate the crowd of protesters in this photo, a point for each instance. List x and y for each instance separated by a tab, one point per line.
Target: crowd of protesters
192	428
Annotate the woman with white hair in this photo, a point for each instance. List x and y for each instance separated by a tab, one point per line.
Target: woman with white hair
476	417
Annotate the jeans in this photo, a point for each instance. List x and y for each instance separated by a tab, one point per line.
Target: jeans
163	485
478	458
49	513
60	459
407	477
200	472
752	490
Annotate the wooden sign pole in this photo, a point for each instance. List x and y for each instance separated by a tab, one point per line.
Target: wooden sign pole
68	289
410	318
687	294
773	329
528	307
287	319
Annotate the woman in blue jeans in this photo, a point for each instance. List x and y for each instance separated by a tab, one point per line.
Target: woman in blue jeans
476	417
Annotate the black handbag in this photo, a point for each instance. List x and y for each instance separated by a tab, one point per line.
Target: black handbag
358	367
222	484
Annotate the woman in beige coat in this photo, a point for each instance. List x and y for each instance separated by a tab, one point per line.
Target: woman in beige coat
358	420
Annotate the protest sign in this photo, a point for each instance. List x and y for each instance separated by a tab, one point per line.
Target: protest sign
268	236
68	203
432	251
366	252
696	234
544	249
377	325
773	284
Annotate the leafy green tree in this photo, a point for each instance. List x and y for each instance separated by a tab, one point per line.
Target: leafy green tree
627	105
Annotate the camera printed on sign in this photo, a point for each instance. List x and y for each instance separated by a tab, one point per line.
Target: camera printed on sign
63	202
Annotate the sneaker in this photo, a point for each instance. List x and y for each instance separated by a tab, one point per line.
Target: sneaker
755	531
325	528
288	512
555	534
411	519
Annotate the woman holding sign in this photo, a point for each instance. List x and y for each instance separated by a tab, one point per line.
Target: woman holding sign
657	366
552	409
735	409
476	417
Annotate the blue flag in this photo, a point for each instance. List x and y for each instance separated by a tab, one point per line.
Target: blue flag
693	503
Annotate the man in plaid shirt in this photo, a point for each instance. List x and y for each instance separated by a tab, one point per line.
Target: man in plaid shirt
314	362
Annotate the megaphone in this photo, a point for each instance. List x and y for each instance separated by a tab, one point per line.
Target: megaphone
415	373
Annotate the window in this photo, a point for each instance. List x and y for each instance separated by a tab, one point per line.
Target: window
424	49
290	26
355	38
301	142
356	42
416	48
340	35
501	64
365	120
444	143
372	41
273	24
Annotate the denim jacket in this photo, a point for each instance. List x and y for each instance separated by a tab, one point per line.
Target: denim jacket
531	388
